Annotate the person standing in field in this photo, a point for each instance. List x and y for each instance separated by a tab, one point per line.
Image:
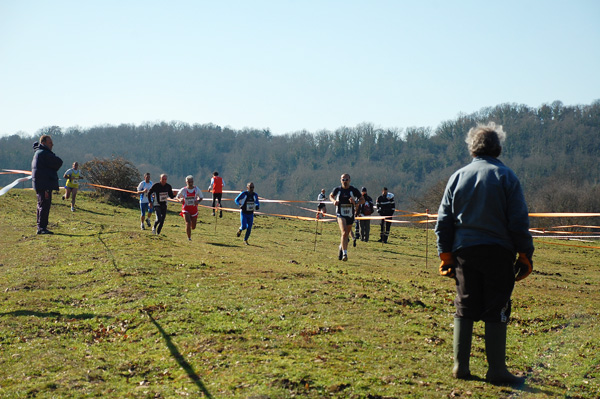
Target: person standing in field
482	225
190	196
44	177
161	191
72	185
145	200
363	226
321	208
248	203
216	188
346	199
386	206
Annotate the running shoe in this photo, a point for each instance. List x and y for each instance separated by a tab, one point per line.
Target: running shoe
44	231
246	242
72	209
142	226
148	222
220	214
345	257
340	254
153	231
239	233
354	242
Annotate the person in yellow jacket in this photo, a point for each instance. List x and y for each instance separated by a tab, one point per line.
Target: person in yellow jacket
72	176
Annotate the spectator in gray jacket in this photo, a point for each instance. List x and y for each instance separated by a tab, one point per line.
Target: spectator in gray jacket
482	224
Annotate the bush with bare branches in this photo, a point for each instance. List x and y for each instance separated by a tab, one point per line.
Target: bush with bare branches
115	172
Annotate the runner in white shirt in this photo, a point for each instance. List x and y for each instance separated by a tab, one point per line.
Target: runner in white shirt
145	204
189	197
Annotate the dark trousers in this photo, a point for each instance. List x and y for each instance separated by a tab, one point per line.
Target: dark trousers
385	230
485	280
161	214
44	202
216	197
363	228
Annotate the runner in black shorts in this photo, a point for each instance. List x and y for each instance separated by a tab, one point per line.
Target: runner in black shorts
346	199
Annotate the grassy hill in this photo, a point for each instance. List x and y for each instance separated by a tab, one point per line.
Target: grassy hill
103	309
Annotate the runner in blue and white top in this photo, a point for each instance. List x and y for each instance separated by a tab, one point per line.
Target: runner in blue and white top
248	203
346	199
142	190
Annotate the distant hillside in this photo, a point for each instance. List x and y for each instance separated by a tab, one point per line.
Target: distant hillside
554	149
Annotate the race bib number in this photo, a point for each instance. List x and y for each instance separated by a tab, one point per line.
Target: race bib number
190	201
250	206
346	210
162	197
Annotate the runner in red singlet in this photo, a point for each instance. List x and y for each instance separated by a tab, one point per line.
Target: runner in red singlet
189	197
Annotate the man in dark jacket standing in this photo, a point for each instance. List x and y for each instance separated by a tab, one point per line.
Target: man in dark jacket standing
44	175
385	207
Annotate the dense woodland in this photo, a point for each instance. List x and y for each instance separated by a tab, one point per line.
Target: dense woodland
554	149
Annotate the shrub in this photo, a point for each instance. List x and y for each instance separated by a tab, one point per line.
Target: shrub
116	173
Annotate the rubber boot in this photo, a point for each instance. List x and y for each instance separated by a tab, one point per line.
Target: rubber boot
495	349
463	333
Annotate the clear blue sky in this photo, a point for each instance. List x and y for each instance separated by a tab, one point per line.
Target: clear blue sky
289	65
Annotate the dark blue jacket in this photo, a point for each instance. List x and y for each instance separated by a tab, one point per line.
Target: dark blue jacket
44	168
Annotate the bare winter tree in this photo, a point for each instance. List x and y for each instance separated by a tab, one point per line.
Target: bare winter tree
115	172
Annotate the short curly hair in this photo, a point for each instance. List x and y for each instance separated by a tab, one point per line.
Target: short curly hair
485	140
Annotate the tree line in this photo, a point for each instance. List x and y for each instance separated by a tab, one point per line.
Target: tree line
554	149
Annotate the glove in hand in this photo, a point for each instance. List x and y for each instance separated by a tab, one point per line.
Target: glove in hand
523	266
447	267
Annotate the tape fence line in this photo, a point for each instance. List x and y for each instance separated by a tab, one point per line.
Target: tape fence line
549	232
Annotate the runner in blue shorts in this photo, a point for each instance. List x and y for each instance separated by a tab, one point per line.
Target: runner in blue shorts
142	190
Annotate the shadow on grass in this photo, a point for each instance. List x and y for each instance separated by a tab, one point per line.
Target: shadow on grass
112	258
219	244
83	316
548	393
180	359
73	235
83	210
249	245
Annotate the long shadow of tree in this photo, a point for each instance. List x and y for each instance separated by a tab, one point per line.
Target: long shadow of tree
83	316
180	359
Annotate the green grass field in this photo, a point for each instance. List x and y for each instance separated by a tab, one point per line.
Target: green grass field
103	309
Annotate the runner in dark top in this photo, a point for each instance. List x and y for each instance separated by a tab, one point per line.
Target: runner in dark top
346	199
161	190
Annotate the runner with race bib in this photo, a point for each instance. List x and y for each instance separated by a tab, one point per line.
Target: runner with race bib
189	197
346	199
248	203
162	191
